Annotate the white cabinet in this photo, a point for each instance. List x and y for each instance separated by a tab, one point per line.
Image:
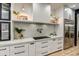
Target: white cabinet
19	50
55	44
41	12
32	49
59	43
52	45
4	51
42	48
39	48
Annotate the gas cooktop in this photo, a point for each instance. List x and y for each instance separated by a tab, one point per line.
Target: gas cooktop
40	37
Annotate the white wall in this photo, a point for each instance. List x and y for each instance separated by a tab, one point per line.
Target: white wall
28	9
59	12
41	12
31	29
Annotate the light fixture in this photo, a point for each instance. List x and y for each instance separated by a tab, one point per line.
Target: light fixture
23	9
73	6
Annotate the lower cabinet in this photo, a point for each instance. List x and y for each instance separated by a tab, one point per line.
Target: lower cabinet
55	45
60	44
31	51
4	51
52	45
19	50
39	48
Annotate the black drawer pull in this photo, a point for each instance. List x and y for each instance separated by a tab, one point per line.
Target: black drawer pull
44	47
2	49
59	42
31	43
19	46
59	47
20	52
44	42
44	52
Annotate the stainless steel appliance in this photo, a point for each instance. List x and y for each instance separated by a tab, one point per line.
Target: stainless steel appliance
69	35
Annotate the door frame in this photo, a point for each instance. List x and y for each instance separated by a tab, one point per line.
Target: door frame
76	13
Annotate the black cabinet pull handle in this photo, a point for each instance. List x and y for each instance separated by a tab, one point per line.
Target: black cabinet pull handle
44	46
20	52
44	52
2	49
19	46
44	42
31	43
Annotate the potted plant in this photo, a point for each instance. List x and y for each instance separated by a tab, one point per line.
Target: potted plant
16	14
19	34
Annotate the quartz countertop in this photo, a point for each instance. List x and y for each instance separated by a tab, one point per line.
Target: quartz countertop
25	40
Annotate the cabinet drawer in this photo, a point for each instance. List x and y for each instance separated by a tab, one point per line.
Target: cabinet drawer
4	51
40	44
41	53
60	40
19	53
60	43
19	49
42	50
60	47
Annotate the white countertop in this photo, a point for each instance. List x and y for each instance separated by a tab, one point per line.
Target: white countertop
26	40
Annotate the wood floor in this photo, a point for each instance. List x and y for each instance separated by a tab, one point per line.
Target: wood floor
73	51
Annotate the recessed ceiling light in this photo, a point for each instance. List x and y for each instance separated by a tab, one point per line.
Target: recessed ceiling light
23	9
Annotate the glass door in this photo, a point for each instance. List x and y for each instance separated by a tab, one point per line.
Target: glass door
5	11
4	31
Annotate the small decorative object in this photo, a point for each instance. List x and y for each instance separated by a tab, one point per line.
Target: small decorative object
51	34
54	20
20	16
16	14
19	34
23	17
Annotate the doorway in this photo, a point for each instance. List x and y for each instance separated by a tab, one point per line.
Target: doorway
77	27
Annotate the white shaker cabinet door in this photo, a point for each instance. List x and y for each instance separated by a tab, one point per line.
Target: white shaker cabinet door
32	49
52	45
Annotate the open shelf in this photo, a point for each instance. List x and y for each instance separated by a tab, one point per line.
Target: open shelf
33	22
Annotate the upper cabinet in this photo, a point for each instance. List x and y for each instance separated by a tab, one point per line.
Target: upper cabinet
5	11
68	13
41	12
22	11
